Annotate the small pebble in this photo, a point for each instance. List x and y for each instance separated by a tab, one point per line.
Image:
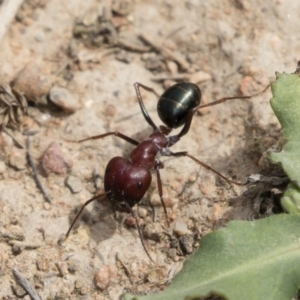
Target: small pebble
54	161
42	265
173	216
180	227
218	211
110	110
172	253
186	243
130	221
74	184
155	200
34	81
196	245
78	284
156	276
84	290
17	159
152	231
176	258
192	178
247	84
170	201
125	56
64	99
153	63
17	249
72	268
142	212
104	276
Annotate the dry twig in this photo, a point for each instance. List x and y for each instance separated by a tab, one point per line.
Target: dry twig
26	285
35	174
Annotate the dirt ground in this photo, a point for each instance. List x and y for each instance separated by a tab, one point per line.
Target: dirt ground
230	47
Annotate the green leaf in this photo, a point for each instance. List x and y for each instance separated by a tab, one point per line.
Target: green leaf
286	106
290	200
246	260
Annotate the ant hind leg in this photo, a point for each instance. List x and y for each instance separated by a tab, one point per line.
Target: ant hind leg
139	230
185	153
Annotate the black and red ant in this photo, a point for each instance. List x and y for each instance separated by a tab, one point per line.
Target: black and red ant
126	180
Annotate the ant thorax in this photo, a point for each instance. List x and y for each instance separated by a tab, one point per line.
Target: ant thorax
159	139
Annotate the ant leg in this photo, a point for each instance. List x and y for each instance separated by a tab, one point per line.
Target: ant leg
147	88
233	98
139	230
79	213
185	153
159	165
137	86
175	138
115	133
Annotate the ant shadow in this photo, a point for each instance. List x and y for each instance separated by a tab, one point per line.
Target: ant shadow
101	220
97	217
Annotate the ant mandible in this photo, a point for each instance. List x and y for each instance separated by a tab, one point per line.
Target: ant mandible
126	180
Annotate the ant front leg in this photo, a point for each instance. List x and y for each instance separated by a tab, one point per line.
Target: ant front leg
115	133
137	86
175	138
185	153
232	98
159	165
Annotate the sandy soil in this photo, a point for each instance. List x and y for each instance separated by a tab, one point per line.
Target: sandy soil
227	47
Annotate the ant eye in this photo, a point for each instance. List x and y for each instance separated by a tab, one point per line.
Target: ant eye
139	185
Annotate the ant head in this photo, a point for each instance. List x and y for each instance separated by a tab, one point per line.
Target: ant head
176	103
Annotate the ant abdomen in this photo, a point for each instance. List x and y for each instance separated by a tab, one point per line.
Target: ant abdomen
176	102
125	183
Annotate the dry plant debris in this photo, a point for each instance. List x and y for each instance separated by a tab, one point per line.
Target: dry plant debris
13	106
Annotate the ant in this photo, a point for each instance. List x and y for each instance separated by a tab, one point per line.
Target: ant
126	180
